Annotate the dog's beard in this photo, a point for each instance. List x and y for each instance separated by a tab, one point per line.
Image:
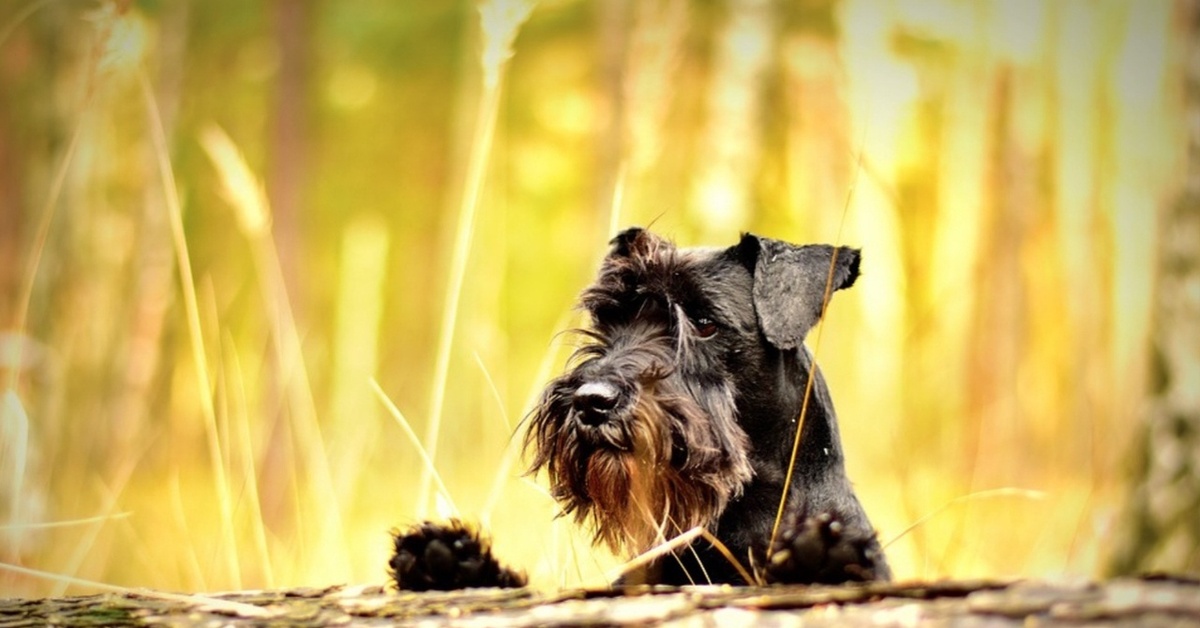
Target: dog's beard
664	467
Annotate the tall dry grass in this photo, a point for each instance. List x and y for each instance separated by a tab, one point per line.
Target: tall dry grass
171	418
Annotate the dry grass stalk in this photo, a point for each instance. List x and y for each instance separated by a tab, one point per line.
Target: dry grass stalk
501	20
195	332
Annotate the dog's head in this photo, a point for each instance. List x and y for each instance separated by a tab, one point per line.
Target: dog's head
644	437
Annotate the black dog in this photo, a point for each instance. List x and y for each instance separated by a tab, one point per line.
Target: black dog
681	411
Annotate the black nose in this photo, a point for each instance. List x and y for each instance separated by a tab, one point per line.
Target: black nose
594	401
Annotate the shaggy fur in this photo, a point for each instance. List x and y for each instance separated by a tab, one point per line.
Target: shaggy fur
669	454
681	407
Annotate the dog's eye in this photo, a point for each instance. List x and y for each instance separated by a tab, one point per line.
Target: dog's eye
705	327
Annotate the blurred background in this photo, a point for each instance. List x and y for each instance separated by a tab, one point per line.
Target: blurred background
252	252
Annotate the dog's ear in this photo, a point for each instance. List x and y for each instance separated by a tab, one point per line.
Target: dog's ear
790	284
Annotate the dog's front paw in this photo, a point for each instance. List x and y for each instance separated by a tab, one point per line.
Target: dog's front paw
821	549
446	556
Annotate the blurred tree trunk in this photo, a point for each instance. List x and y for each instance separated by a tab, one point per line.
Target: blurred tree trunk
615	23
11	210
153	268
732	133
285	180
1161	526
289	140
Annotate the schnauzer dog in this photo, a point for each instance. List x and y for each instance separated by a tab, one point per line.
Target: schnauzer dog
681	411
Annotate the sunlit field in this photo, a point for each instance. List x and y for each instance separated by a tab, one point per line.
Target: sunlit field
278	277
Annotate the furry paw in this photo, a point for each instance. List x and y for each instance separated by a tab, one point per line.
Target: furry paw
821	549
446	556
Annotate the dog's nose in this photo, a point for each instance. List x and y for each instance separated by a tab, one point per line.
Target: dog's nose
594	401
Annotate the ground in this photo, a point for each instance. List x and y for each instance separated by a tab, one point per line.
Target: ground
1158	601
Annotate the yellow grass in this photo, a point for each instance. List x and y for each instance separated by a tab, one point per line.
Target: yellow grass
176	415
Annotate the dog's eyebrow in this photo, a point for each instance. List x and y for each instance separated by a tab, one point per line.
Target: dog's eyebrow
709	300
